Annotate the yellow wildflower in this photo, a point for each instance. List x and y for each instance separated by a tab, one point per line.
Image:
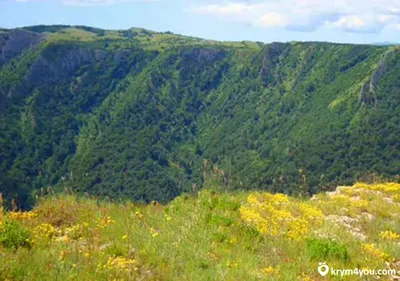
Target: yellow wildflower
310	212
280	198
20	216
389	235
76	231
383	187
44	230
375	252
298	228
269	271
252	199
138	214
276	215
103	223
153	232
232	264
361	204
120	263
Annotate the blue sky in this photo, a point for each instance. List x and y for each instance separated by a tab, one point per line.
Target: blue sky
354	21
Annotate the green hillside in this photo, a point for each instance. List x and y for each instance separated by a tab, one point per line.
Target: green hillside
145	115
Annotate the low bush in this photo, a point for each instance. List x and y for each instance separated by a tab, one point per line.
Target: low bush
323	249
14	235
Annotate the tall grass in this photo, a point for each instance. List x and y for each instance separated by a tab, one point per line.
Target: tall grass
202	237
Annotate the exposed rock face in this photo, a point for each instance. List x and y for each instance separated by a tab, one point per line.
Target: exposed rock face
120	55
57	69
270	60
100	55
349	224
368	92
61	67
368	95
56	64
14	42
203	54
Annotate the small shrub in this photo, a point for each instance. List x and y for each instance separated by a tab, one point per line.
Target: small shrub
230	205
219	220
64	211
116	250
319	249
14	235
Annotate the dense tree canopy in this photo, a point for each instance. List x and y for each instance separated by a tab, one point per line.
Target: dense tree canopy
147	115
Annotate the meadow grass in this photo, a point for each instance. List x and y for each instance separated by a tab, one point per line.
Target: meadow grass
208	236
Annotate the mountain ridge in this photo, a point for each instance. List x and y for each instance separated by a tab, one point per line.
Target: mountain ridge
149	115
54	28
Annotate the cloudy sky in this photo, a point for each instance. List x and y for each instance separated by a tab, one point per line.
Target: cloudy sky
355	21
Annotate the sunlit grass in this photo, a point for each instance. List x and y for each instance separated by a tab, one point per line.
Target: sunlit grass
210	236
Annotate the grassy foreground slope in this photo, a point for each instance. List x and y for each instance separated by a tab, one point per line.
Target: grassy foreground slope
208	236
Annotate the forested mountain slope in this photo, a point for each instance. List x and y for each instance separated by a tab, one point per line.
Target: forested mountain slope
147	115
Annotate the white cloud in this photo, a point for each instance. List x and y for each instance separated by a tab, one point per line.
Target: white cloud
100	2
272	19
306	15
89	2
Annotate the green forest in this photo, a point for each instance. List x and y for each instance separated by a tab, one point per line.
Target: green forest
144	115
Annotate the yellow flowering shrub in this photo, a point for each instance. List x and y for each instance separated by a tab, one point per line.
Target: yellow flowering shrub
343	204
310	212
22	216
120	264
44	230
391	187
276	215
373	251
360	204
389	235
349	191
76	231
298	228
